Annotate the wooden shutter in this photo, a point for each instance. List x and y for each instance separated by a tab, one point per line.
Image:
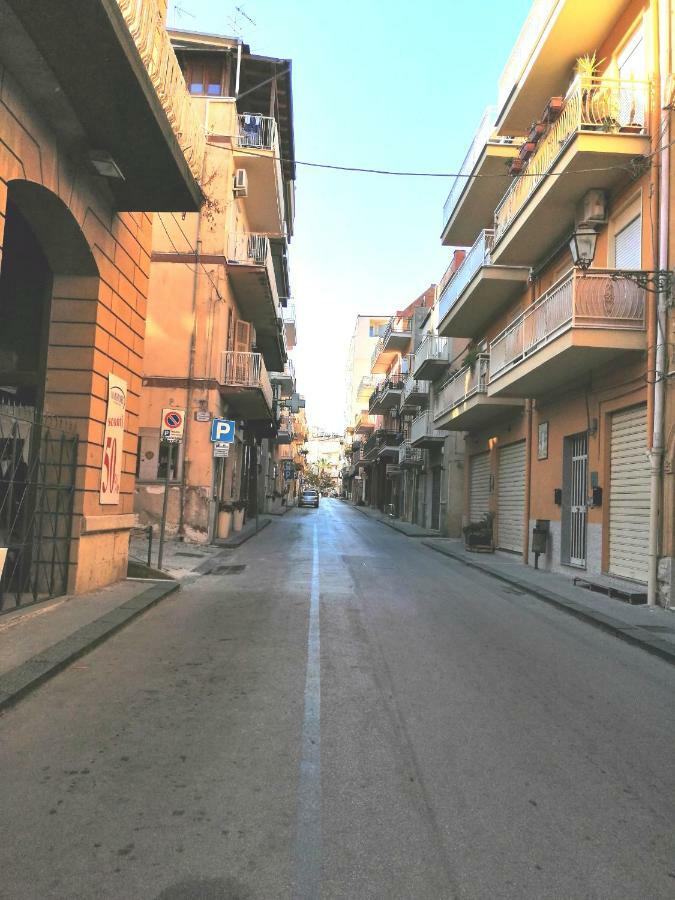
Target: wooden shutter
629	495
242	336
628	246
511	497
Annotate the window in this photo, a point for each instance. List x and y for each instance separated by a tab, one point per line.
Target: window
376	329
207	76
627	245
168	455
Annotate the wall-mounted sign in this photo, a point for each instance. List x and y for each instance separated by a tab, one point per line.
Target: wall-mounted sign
173	424
542	442
222	430
113	441
289	470
202	415
220	449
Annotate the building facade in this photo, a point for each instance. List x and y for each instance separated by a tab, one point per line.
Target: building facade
80	175
563	395
220	325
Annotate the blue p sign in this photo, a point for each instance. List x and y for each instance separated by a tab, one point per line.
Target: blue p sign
222	430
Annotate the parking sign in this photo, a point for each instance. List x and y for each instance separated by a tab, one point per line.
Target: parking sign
222	431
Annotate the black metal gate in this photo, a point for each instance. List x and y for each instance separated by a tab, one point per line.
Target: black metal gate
38	460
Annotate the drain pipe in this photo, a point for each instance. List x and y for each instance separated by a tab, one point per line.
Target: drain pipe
657	449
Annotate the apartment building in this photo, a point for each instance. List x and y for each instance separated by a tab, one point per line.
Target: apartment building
220	325
80	173
563	393
325	454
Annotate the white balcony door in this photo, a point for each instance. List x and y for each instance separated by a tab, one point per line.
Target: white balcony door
628	245
632	66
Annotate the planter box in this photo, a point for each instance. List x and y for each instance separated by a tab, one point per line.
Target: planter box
238	519
517	166
553	109
224	524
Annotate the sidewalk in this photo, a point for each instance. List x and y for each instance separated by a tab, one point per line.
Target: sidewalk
651	629
406	528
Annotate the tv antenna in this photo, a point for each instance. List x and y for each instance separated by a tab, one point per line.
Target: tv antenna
236	20
179	12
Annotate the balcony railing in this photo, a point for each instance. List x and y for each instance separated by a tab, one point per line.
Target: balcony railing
591	105
249	249
396	325
464	384
259	132
414	386
146	25
288	314
432	347
423	427
527	40
245	370
484	135
579	300
478	255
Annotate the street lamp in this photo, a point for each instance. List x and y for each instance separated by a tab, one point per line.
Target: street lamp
582	247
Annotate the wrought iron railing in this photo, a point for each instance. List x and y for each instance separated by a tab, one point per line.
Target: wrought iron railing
595	299
484	135
245	370
260	132
591	105
466	383
146	25
432	347
38	461
250	249
478	256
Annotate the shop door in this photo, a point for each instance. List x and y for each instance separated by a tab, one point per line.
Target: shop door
629	495
479	496
436	498
511	497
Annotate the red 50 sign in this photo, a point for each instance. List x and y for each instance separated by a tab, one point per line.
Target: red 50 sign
113	441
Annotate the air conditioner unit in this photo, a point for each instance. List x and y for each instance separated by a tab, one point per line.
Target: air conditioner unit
593	208
240	183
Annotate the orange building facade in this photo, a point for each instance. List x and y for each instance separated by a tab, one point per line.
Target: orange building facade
563	394
76	194
220	325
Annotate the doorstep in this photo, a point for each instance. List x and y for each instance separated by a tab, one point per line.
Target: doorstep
652	629
37	642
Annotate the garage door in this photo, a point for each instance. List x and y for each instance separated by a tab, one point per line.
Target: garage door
629	495
479	501
511	497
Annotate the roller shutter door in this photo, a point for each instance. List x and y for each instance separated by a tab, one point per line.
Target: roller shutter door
511	497
629	495
479	500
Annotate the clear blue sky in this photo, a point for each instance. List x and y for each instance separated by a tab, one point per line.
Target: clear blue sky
396	85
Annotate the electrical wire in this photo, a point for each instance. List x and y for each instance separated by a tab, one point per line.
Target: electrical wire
192	251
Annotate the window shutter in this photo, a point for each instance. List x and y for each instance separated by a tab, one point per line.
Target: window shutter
242	336
628	246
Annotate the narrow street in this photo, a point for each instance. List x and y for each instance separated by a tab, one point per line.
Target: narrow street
349	716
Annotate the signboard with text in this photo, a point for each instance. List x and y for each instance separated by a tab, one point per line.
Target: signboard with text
173	424
113	441
222	430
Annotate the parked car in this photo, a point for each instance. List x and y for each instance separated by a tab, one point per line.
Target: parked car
309	498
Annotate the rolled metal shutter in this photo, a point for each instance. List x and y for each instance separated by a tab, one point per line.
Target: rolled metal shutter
479	500
629	495
628	246
511	497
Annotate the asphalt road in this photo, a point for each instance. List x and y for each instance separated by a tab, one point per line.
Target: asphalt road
350	716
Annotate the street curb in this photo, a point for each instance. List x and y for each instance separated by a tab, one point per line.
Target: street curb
242	536
632	634
395	525
19	681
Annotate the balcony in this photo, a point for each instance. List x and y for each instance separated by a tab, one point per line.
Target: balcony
415	394
462	404
388	444
432	357
409	457
110	82
251	273
553	37
386	396
256	149
284	381
366	386
288	317
245	385
581	322
423	433
601	129
395	340
365	423
478	292
471	202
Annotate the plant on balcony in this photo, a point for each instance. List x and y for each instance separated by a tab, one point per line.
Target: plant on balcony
471	357
587	70
478	535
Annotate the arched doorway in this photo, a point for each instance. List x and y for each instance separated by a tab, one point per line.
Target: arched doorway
42	245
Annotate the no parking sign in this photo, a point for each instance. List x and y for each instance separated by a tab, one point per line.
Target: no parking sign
173	424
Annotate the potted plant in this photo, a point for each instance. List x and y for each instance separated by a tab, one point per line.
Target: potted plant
239	507
478	535
592	112
635	123
537	129
225	511
552	110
